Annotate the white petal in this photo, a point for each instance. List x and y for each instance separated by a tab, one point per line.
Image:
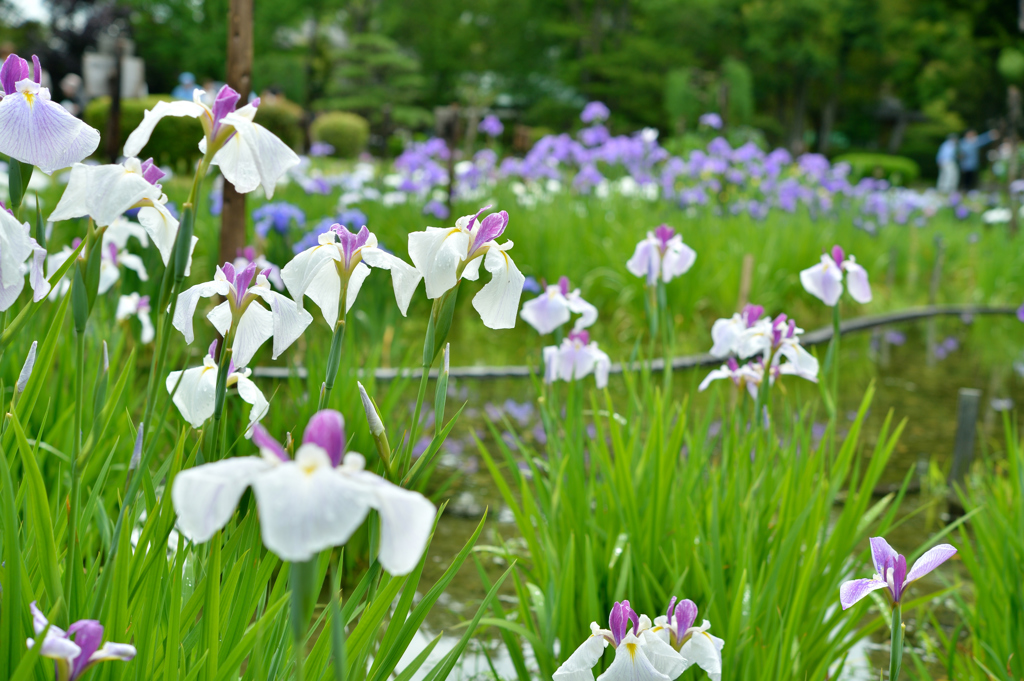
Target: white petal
587	312
255	328
40	286
406	518
134	263
162	227
824	281
253	156
113	651
725	333
303	512
103	193
205	497
249	392
15	248
498	301
220	317
631	664
579	665
704	650
290	320
645	261
9	295
140	135
196	393
302	270
109	274
678	259
355	282
404	277
189	299
663	656
41	132
325	291
857	281
546	312
714	375
436	253
148	332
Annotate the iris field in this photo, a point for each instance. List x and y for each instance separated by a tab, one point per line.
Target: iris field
168	513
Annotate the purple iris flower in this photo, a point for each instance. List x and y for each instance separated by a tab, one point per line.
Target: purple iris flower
594	111
712	120
277	216
321	149
437	209
33	128
78	649
350	242
594	135
891	572
491	126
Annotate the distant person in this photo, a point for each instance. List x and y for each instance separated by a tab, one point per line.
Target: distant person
949	171
970	155
71	89
185	87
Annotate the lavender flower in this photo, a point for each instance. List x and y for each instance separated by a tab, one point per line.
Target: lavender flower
491	126
78	649
278	216
891	572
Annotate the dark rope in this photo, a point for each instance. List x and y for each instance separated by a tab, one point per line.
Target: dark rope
816	337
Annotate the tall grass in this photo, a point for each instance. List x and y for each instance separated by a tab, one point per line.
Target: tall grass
757	526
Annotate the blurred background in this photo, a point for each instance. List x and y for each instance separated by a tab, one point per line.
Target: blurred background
827	76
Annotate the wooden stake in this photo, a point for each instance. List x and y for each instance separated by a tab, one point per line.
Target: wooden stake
746	281
239	77
963	445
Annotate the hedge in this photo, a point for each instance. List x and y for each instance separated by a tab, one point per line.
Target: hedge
346	132
284	119
899	170
175	141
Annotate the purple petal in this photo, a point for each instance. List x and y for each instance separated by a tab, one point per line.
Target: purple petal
883	555
350	242
242	281
229	271
491	227
36	130
563	285
88	636
14	69
1020	313
663	233
262	439
327	429
151	172
37	70
617	622
899	577
224	104
838	255
213	349
932	558
685	615
852	591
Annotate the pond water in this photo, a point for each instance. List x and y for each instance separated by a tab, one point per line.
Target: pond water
917	369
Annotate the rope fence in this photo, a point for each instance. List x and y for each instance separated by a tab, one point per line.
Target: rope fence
816	337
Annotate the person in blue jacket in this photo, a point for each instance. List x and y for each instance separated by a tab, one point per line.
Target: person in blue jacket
970	156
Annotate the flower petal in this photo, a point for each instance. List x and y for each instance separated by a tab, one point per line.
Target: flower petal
587	312
436	253
857	281
705	651
253	156
103	193
15	248
932	558
302	270
856	589
113	651
289	319
678	259
824	281
140	135
326	429
406	518
882	555
663	656
579	665
631	664
498	301
88	636
196	393
645	261
303	512
189	299
205	497
355	282
255	328
162	227
249	392
325	290
36	130
546	312
404	277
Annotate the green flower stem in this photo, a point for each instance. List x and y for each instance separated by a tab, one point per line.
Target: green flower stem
667	339
302	575
896	649
834	351
76	449
334	358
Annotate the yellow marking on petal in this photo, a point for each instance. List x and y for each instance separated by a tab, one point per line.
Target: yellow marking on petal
631	649
29	97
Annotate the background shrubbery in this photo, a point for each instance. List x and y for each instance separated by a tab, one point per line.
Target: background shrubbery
174	146
346	132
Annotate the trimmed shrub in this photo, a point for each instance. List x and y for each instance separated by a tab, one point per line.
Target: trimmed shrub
346	132
899	170
175	142
284	119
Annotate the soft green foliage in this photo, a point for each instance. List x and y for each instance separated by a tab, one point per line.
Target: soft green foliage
174	141
284	119
756	526
1011	64
899	170
346	132
992	550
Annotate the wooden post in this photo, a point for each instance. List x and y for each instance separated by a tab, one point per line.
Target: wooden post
963	445
239	77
